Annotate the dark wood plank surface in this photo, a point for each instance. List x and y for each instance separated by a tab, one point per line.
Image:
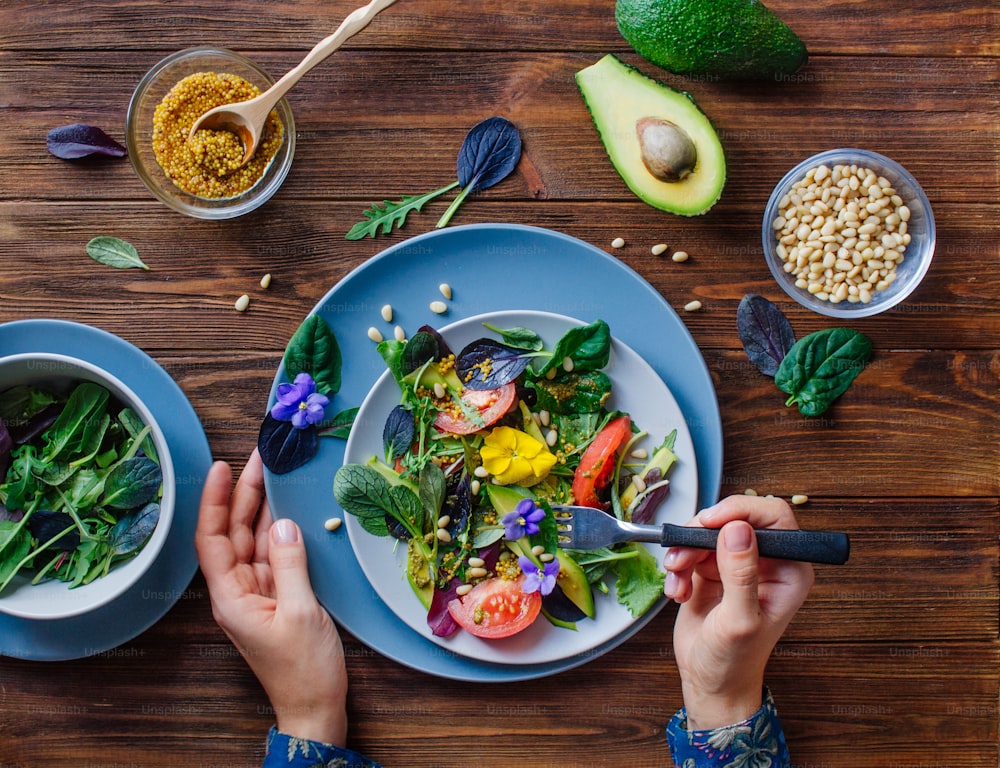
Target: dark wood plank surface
894	660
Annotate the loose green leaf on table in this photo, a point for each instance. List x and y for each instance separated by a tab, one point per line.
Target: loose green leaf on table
114	252
821	366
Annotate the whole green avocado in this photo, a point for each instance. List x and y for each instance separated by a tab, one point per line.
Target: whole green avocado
724	39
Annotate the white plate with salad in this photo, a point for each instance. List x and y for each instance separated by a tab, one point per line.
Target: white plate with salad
541	630
489	267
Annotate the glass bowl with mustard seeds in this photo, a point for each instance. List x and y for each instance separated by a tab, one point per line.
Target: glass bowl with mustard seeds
201	176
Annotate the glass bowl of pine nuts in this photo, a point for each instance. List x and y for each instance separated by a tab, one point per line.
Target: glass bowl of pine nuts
201	175
848	233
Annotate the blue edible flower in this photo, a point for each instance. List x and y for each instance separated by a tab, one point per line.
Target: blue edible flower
538	579
523	521
300	403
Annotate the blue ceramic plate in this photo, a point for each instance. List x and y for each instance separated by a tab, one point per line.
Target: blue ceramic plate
167	579
490	268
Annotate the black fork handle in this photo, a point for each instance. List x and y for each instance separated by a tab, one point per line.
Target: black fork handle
825	547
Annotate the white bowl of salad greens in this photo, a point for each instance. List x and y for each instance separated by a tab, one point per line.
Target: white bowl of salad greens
86	487
487	471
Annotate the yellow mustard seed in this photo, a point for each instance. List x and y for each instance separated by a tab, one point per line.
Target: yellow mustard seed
209	165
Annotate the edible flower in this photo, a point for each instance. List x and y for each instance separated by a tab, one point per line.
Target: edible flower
523	521
300	403
538	579
514	457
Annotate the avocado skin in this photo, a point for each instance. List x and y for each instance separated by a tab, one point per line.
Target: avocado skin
726	39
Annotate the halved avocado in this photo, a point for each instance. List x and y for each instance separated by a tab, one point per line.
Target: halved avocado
662	145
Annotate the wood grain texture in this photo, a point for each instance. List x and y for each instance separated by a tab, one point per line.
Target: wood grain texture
894	660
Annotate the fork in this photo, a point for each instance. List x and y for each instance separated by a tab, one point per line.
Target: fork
590	528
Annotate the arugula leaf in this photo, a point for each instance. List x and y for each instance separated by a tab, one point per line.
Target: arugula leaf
115	252
391	214
821	366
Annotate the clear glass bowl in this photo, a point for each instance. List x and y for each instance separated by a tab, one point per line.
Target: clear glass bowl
916	257
139	131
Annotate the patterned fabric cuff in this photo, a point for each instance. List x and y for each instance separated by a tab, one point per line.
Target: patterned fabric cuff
758	741
284	751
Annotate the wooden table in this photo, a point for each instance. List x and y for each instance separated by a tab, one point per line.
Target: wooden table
893	661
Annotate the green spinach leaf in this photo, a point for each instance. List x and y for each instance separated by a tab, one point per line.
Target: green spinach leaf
588	346
115	252
132	483
313	349
821	366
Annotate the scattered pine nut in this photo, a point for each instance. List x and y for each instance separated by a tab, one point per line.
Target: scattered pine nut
443	535
387	313
375	334
477	573
445	290
537	550
692	306
463	589
444	521
567	364
546	557
480	472
439	390
639	483
657	249
551	438
265	281
476	562
799	498
333	523
439	307
242	303
680	256
617	242
640	453
749	492
399	333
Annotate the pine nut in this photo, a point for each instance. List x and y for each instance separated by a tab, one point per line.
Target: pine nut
333	523
474	487
265	281
537	550
567	364
463	589
399	333
438	307
439	390
481	472
242	303
443	536
445	290
692	306
640	453
476	562
443	521
618	242
477	573
387	313
546	557
375	334
799	498
680	256
657	249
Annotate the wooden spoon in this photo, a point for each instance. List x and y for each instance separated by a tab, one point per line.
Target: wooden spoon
246	118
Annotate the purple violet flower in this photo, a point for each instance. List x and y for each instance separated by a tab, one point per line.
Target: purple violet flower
523	521
538	579
300	403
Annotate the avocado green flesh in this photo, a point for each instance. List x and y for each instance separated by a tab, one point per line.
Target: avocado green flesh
718	38
618	97
574	584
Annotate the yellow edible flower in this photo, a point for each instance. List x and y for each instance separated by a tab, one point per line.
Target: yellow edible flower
514	457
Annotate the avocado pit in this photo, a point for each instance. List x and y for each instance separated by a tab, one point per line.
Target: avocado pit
667	151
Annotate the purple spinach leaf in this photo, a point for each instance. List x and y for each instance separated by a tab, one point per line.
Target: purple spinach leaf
488	364
283	447
71	142
765	332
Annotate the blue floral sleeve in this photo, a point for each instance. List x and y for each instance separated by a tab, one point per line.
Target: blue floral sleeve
284	751
757	741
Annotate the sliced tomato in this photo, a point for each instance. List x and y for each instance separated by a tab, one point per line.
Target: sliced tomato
598	461
490	403
496	608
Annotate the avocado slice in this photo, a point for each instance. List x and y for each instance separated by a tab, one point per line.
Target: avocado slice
662	145
573	582
505	498
720	39
418	574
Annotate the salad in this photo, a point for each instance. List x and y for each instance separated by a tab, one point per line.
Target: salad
482	446
81	484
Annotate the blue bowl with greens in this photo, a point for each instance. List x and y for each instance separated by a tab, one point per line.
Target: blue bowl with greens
87	487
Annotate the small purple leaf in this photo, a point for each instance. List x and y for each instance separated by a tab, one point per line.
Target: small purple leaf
71	142
765	332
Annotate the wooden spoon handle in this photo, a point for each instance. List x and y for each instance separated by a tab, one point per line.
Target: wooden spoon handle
353	23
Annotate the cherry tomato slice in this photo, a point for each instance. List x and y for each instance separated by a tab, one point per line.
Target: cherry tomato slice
491	404
598	461
496	608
